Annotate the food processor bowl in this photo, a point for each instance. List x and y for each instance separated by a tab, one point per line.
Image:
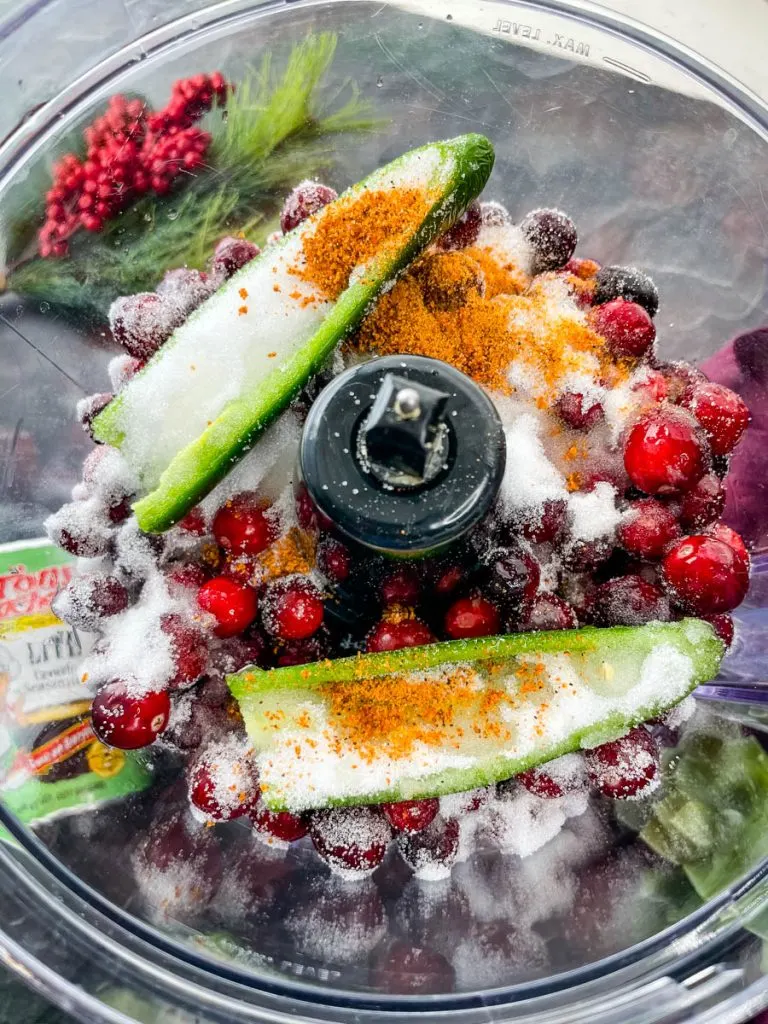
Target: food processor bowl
659	157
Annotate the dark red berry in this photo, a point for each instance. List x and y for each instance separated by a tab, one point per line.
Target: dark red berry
334	559
189	649
233	605
129	722
624	768
119	511
392	636
587	555
186	575
309	515
629	601
734	541
465	231
704	503
509	576
351	838
552	237
664	452
582	268
648	528
751	351
231	254
302	652
705	576
141	323
412	970
223	785
471	617
242	526
494	215
307	198
281	824
680	379
722	414
401	586
90	598
448	579
186	287
292	609
437	845
547	525
549	612
626	326
626	283
724	626
653	389
193	522
577	412
537	781
89	408
411	815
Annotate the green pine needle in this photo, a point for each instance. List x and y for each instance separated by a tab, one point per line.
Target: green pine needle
274	132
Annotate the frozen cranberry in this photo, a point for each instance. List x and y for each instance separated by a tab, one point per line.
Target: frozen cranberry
734	541
537	781
280	824
292	609
237	652
78	534
393	636
188	576
722	414
401	586
494	215
705	575
471	617
653	388
307	198
412	970
465	231
680	379
129	722
223	785
629	601
724	626
90	598
624	768
303	652
664	452
549	612
436	845
334	559
231	254
186	287
233	605
190	653
581	268
411	815
547	526
351	838
587	555
309	515
89	408
510	576
626	326
142	323
193	522
552	237
448	579
578	589
626	283
703	503
577	412
119	511
242	525
648	528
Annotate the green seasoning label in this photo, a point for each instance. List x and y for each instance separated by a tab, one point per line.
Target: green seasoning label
50	758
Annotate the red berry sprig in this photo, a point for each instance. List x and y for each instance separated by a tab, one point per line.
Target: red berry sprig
130	151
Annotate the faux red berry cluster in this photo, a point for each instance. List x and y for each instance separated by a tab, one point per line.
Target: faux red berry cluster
130	150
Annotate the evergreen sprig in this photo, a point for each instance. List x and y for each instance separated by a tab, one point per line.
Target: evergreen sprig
275	131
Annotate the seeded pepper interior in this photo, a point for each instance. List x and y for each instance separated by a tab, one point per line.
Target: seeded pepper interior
607	515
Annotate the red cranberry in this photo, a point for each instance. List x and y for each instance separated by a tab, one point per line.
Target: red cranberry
549	612
292	609
582	268
334	559
629	601
664	453
187	575
550	524
232	605
411	815
648	529
578	413
578	589
89	408
435	845
587	555
231	254
681	378
186	287
537	781
129	722
240	651
653	388
303	652
89	599
471	617
734	541
142	323
552	237
190	653
280	824
494	215
193	522
223	786
510	576
448	579
626	327
119	511
307	198
242	526
724	626
624	768
393	636
401	586
704	503
309	515
351	838
722	414
77	533
412	970
705	575
465	231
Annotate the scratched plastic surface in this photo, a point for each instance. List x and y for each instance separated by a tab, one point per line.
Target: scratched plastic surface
654	177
